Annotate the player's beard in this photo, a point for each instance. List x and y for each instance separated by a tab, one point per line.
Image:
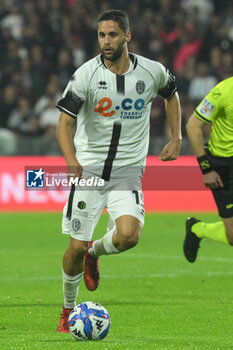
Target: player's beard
116	53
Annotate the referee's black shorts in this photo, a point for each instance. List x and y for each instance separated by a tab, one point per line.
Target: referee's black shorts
223	196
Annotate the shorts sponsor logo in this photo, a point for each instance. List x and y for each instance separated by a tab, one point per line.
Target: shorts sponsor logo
82	213
229	206
76	224
35	178
82	205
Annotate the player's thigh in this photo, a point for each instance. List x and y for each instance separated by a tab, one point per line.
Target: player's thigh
81	213
127	210
223	195
224	202
228	223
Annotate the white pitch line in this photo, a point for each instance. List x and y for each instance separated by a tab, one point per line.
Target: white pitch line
137	256
175	274
128	276
176	257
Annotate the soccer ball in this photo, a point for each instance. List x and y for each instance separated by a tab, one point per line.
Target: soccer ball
89	321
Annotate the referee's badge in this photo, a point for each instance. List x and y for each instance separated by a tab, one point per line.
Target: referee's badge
140	87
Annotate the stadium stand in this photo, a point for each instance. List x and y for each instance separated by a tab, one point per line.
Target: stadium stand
42	43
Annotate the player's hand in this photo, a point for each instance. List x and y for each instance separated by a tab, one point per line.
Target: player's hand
74	170
171	151
212	180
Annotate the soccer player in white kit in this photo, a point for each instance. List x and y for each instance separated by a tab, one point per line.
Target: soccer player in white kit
110	98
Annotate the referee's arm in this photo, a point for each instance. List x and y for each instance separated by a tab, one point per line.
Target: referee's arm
194	128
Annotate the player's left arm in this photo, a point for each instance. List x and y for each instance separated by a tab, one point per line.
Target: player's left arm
173	111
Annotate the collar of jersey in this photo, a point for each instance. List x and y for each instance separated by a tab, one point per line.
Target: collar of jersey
132	57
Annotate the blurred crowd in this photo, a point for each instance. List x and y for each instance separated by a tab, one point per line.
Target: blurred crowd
44	41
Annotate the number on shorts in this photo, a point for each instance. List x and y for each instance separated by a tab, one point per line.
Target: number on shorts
136	196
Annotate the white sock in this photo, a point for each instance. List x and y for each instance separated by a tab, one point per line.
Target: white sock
70	289
104	246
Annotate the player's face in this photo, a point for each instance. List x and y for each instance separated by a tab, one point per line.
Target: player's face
112	40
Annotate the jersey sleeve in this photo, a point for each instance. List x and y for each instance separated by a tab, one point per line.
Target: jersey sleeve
75	94
166	83
209	107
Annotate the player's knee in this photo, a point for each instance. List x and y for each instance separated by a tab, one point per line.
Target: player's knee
129	235
77	248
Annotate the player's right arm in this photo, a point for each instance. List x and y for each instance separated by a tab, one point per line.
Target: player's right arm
65	133
194	129
72	100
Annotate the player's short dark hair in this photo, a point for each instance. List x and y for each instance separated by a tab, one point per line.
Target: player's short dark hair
117	16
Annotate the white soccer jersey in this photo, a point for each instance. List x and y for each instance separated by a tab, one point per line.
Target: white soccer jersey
113	110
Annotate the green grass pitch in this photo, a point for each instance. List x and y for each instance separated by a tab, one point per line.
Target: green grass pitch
156	299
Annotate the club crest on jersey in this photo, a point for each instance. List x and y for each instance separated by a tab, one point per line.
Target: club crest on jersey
140	87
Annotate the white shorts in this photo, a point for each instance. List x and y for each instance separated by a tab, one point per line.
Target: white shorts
84	208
